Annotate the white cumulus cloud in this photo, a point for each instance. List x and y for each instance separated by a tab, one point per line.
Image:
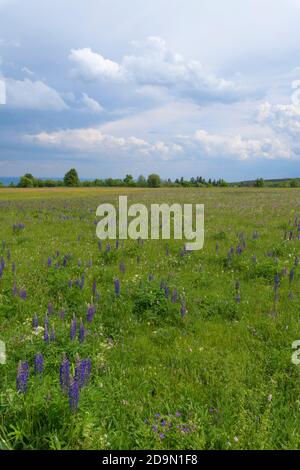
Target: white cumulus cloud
154	65
29	94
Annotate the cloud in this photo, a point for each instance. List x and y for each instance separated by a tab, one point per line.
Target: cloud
27	94
155	65
95	141
235	146
91	66
91	104
284	118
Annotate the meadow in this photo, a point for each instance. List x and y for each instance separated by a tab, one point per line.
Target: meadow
142	345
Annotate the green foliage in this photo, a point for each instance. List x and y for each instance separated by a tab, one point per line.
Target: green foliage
153	181
71	178
219	375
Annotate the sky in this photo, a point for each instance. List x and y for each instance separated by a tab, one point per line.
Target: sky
175	87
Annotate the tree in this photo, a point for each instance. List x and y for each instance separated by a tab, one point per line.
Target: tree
153	181
71	178
141	181
259	183
294	183
25	182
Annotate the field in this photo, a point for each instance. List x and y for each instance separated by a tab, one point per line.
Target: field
171	349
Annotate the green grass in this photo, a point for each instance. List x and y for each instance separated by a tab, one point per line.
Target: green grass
223	372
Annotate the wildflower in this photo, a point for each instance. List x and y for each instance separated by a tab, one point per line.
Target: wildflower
117	286
50	308
64	373
292	275
174	297
62	314
81	333
162	435
35	322
108	248
46	321
90	313
38	364
167	292
23	294
183	311
52	335
22	377
73	395
49	262
46	333
73	328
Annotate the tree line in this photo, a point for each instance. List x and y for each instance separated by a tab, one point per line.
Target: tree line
71	179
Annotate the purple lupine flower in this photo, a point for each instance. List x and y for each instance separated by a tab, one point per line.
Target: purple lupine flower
65	260
64	373
122	267
52	335
91	310
38	364
50	308
292	275
74	395
162	435
49	262
276	282
46	333
167	292
174	296
46	321
73	328
117	286
183	311
23	294
81	285
108	248
35	322
62	314
117	244
22	377
70	283
81	333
